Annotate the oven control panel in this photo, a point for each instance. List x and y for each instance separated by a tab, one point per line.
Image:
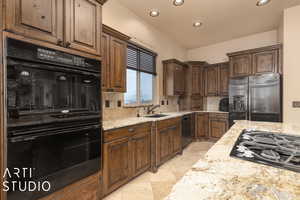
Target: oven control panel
31	52
60	57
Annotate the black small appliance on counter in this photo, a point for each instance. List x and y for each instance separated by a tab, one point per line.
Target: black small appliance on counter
53	122
224	105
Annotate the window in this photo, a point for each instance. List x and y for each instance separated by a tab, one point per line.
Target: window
141	72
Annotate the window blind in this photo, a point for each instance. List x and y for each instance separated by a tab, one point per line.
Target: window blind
140	59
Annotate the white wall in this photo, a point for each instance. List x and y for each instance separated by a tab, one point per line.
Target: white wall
217	52
291	66
122	19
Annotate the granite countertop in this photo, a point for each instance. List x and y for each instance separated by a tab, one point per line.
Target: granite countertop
119	123
219	176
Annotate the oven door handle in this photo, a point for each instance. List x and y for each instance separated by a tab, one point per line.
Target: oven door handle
36	136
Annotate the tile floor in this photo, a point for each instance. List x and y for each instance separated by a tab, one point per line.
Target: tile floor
149	186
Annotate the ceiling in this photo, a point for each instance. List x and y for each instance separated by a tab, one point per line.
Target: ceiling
222	19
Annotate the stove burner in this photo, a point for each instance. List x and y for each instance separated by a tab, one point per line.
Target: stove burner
270	154
275	149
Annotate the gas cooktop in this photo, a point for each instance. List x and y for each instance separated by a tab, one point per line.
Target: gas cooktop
274	149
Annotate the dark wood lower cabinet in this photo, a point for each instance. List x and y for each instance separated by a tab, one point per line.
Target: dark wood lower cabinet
141	153
168	140
201	125
116	164
211	125
127	153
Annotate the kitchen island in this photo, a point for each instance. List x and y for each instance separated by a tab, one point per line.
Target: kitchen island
219	176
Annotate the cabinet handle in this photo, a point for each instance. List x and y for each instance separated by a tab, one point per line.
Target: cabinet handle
173	128
60	42
131	129
68	44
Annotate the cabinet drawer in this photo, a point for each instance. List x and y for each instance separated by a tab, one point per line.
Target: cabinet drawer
167	123
218	115
119	133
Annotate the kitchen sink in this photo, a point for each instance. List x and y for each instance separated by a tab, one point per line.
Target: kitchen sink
157	116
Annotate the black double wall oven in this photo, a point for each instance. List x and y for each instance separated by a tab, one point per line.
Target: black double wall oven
53	118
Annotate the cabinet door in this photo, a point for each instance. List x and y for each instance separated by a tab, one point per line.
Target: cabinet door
223	80
117	167
38	19
105	61
264	62
83	25
118	57
240	65
196	103
202	125
164	145
179	79
89	190
175	134
217	128
141	152
195	80
212	81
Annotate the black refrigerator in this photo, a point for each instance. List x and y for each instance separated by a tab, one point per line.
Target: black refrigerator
256	98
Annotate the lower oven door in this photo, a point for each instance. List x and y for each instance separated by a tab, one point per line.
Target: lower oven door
59	158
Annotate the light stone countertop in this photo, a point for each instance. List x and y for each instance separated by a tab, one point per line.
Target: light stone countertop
221	177
119	123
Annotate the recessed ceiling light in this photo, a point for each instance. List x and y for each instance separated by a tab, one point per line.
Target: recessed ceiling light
154	13
197	24
262	2
178	2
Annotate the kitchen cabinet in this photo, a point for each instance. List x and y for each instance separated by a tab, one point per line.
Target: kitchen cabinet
211	125
218	124
114	59
211	79
196	103
86	189
195	78
223	82
240	65
39	19
202	120
105	61
141	156
174	77
256	61
168	139
83	25
117	164
264	62
74	24
126	155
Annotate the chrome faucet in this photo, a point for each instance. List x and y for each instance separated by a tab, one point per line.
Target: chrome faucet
152	108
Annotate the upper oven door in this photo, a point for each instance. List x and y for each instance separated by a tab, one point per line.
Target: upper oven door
35	88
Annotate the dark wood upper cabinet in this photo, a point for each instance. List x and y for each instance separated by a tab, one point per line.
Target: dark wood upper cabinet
256	61
240	65
105	61
83	25
264	62
38	19
174	78
118	49
114	60
211	80
223	79
74	24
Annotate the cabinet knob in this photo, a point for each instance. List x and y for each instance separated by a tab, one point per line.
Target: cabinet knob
60	42
131	129
67	44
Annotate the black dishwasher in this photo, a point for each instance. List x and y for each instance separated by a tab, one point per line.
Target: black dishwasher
187	131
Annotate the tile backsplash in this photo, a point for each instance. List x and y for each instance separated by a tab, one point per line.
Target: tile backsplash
113	106
212	103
